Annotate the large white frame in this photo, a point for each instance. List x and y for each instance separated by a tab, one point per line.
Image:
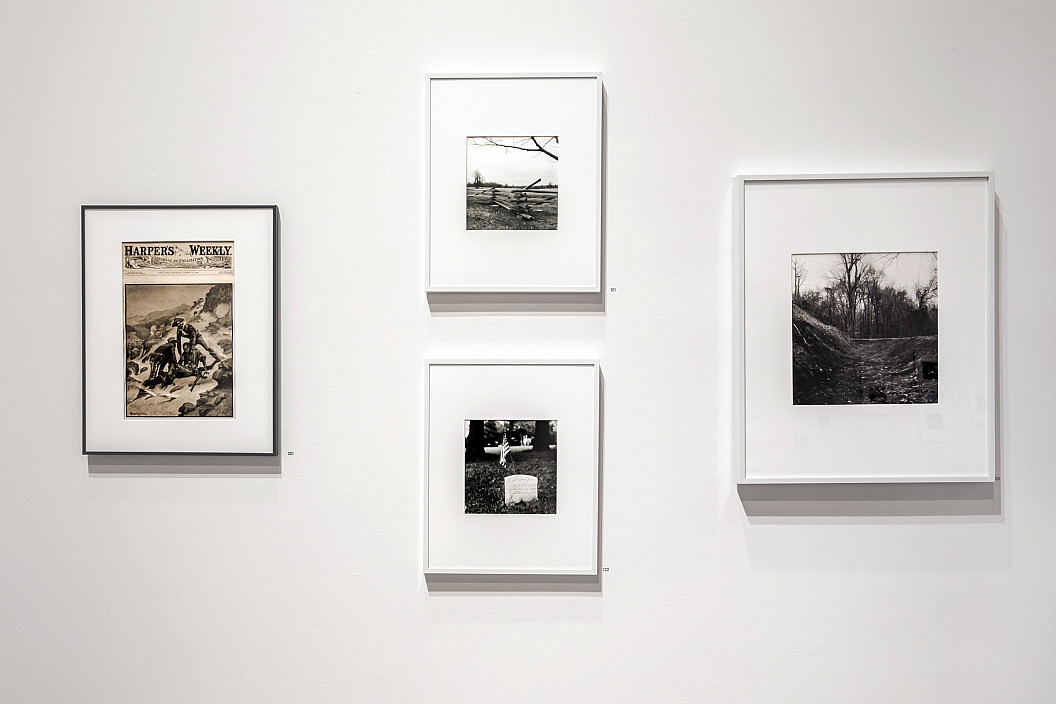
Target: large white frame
567	259
953	440
565	543
253	229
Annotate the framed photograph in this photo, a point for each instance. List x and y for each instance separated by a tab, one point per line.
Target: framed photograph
866	328
179	307
511	472
514	191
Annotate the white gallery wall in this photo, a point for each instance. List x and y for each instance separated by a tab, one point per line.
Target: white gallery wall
298	579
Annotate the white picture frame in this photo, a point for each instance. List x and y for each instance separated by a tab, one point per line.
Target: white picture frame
562	542
949	438
564	257
250	425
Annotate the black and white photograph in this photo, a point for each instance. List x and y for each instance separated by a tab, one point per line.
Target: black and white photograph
865	328
178	329
511	183
511	466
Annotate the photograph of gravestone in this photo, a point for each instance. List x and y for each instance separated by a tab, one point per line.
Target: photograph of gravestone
511	466
865	328
511	183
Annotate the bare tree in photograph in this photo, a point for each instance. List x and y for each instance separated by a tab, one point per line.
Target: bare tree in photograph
848	274
547	146
799	271
865	327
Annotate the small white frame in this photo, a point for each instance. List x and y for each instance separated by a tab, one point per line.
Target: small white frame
953	440
568	259
254	231
565	543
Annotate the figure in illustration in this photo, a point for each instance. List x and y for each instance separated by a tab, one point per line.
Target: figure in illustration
192	340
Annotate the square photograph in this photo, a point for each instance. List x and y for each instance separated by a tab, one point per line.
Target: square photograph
865	328
511	183
511	466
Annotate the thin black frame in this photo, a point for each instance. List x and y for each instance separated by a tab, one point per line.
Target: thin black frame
274	330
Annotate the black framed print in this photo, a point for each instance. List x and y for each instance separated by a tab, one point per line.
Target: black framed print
179	308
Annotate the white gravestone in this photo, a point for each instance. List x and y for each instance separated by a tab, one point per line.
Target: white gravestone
521	487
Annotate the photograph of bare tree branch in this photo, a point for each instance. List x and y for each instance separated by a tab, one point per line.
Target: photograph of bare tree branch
511	183
865	328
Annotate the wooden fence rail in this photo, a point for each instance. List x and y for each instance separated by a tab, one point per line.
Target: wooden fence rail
519	201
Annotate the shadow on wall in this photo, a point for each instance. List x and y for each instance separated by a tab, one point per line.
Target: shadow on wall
931	499
154	465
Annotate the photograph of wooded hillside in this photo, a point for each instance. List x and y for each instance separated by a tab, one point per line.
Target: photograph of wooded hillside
865	328
511	183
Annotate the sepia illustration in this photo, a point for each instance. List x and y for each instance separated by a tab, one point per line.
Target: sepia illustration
511	466
511	183
865	328
178	328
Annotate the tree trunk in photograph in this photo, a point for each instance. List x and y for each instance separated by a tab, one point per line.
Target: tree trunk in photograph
475	440
543	439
